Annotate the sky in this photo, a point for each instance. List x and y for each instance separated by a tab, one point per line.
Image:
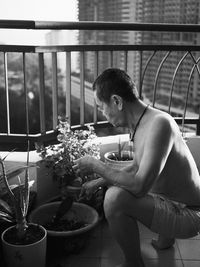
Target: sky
43	10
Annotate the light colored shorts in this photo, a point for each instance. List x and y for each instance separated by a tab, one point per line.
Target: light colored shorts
173	219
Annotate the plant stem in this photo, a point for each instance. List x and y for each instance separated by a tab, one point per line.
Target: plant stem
119	149
21	228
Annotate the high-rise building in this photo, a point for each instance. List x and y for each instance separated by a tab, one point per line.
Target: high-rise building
170	11
105	10
147	11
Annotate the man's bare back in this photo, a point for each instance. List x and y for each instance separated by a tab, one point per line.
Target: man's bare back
179	179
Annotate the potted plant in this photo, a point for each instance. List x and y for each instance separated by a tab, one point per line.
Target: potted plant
68	225
120	158
79	215
23	240
60	157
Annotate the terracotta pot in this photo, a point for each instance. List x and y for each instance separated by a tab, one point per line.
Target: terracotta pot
44	214
25	255
111	159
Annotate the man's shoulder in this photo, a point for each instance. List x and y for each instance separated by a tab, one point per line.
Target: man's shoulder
161	119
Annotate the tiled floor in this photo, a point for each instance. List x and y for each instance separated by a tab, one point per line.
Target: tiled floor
103	251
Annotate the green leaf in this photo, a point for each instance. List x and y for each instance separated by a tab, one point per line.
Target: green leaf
4	206
6	217
11	174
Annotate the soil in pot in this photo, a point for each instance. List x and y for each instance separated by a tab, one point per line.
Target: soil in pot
65	225
33	234
61	223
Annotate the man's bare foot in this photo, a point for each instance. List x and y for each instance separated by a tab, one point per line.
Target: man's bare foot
162	242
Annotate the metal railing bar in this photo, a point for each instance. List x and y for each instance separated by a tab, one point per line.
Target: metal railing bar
82	91
173	80
195	66
195	62
77	48
25	93
54	90
42	94
96	73
126	60
157	75
188	120
146	66
17	48
140	73
68	86
111	59
7	91
89	25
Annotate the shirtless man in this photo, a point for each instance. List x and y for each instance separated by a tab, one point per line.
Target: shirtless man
162	187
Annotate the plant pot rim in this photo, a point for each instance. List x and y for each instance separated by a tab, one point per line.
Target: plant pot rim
106	155
73	188
19	245
72	232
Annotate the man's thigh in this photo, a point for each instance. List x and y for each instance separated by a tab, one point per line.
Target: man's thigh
141	209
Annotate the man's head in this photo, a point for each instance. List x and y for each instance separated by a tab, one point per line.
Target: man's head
113	90
115	82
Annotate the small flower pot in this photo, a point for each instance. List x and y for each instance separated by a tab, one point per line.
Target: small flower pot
28	255
126	159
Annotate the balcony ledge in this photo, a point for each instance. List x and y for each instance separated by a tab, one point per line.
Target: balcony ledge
47	188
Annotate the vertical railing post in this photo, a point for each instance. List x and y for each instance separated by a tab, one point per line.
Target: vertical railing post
96	73
140	75
54	90
26	95
126	60
7	93
198	127
42	93
82	89
68	86
111	58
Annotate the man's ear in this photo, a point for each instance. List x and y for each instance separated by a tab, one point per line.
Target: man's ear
117	100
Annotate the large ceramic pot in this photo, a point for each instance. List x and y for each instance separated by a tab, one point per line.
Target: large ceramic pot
111	158
66	242
44	214
29	255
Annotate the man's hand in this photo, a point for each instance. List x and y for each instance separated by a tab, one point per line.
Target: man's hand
84	165
90	187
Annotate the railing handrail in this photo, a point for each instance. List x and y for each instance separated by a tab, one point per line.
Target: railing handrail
75	48
100	25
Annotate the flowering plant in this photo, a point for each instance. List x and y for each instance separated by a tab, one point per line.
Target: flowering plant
72	145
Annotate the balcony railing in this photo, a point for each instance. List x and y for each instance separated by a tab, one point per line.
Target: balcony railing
160	71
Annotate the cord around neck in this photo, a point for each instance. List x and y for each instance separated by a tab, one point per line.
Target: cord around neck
137	124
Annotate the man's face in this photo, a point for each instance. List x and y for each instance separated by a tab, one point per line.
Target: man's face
110	111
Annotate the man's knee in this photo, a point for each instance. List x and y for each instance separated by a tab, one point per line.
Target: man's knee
119	201
113	202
